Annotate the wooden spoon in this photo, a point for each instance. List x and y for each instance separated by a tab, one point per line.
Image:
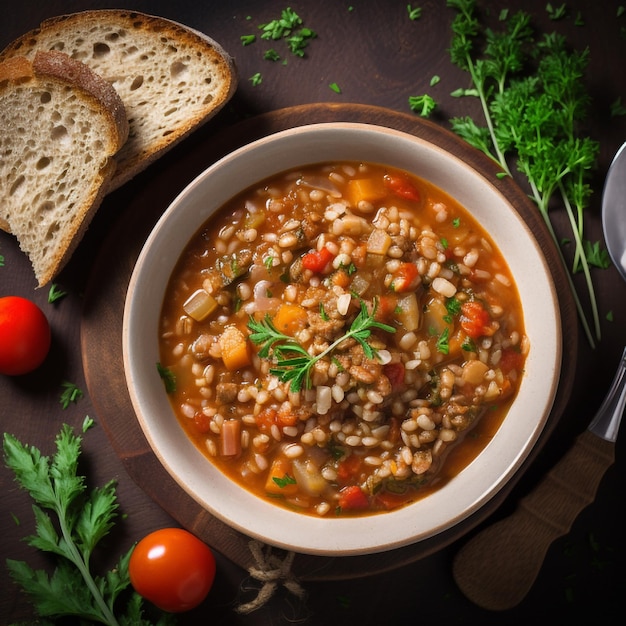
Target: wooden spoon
497	568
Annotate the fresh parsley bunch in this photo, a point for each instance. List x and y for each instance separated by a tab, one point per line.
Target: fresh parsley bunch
83	519
534	103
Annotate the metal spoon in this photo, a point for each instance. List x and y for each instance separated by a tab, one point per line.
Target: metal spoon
497	567
614	211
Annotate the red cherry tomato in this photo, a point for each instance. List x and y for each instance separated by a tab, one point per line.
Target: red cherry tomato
173	569
24	336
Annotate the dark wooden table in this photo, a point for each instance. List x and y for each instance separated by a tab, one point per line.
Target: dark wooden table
378	57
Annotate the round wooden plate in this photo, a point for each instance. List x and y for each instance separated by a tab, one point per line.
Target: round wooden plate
101	328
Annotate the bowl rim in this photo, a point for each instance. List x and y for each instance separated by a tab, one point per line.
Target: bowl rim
350	535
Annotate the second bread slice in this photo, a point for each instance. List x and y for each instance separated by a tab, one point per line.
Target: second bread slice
171	78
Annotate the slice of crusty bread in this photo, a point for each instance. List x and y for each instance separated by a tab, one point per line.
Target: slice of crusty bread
61	126
171	78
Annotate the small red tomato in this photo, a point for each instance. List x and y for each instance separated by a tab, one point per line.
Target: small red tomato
402	187
474	319
352	497
317	260
405	278
24	336
173	569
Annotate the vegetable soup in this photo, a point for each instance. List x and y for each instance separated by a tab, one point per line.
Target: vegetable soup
342	339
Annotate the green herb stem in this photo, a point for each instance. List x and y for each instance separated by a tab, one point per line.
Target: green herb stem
81	561
582	260
500	158
542	201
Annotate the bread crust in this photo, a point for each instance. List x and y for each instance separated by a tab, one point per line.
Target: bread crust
58	64
202	75
51	188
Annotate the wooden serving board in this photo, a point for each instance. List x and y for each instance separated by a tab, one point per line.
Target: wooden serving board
101	328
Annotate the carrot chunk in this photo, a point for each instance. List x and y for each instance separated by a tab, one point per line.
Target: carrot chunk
280	480
234	346
290	318
365	189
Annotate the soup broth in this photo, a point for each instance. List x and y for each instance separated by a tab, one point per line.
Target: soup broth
344	338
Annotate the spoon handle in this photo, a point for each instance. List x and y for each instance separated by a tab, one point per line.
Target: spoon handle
497	568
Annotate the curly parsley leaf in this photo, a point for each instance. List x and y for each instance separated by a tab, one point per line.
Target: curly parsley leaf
71	393
414	12
617	108
284	481
424	105
256	79
443	342
168	377
271	55
596	255
556	12
56	293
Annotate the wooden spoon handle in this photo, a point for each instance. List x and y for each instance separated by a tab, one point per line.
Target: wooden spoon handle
498	566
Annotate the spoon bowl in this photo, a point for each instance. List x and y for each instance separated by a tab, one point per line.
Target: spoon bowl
614	211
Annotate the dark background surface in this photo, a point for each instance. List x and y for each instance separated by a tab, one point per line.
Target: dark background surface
377	56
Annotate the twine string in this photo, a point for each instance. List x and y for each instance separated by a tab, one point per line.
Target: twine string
272	571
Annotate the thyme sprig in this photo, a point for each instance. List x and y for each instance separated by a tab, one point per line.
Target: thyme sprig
532	120
293	363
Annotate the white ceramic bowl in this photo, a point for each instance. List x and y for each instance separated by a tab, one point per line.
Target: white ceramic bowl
475	485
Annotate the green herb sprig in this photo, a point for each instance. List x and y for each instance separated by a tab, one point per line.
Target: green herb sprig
71	394
168	377
284	481
293	362
424	105
414	12
56	293
81	520
532	120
